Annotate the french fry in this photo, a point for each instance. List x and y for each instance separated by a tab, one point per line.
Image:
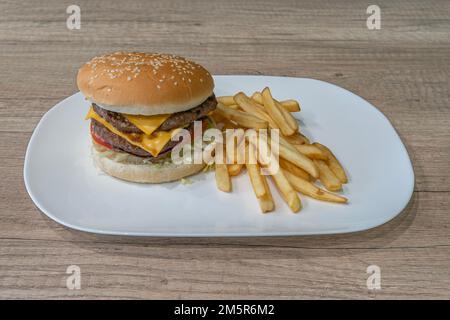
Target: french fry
253	108
290	105
266	201
292	168
234	169
264	197
311	190
223	180
295	139
234	149
275	113
233	106
242	118
333	163
290	120
228	124
226	100
327	177
283	140
254	171
291	154
222	122
286	191
258	97
311	151
304	138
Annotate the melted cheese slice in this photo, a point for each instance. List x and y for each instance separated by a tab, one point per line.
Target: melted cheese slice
153	143
147	124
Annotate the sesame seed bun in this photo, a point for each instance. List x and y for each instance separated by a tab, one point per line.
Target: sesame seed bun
144	83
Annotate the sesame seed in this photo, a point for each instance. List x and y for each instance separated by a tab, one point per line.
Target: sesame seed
130	65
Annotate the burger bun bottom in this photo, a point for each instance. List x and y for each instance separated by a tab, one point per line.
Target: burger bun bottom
142	172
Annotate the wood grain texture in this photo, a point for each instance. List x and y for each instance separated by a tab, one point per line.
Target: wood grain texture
403	69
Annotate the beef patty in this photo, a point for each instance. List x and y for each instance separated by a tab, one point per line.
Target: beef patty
120	144
176	120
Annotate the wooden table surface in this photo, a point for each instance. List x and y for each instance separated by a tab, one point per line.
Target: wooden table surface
403	69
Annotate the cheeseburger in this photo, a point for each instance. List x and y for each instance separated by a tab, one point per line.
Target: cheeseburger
139	100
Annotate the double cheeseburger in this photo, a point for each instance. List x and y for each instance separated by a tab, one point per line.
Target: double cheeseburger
138	101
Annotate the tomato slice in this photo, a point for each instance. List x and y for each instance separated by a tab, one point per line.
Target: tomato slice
99	140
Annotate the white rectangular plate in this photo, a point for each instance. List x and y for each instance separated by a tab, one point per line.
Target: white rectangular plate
63	182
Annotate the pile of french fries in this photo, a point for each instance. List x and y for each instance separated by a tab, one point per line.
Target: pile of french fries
300	162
